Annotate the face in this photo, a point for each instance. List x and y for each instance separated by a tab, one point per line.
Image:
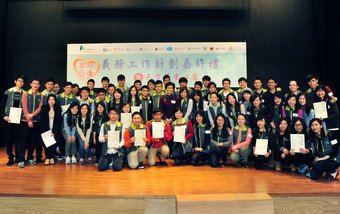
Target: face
212	88
292	102
133	91
74	110
105	83
111	90
257	102
158	88
75	90
49	86
213	98
226	85
90	85
68	89
101	96
199	118
137	119
231	100
151	86
220	121
283	125
241	120
158	116
56	87
84	110
206	83
298	126
35	85
178	114
197	87
100	108
271	84
257	84
126	108
169	89
242	84
166	80
277	100
293	87
84	94
121	83
184	94
197	98
51	101
316	127
261	123
145	92
138	85
113	115
302	100
182	84
320	93
19	83
313	83
117	95
246	96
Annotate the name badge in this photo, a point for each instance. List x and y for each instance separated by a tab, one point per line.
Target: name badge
231	113
173	101
333	142
262	100
295	114
330	94
149	101
247	113
207	131
250	135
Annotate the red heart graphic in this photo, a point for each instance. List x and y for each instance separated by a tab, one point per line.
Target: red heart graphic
85	69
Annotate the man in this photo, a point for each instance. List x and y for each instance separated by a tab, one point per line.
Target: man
156	97
90	85
105	83
227	90
122	86
66	97
84	98
49	83
146	104
268	96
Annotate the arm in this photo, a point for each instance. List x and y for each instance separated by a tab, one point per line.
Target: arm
37	111
127	137
67	128
247	141
167	132
190	131
148	136
88	132
187	114
101	136
80	132
24	105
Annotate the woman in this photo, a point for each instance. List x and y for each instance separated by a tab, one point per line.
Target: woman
215	107
100	117
307	110
70	130
133	97
290	110
186	102
255	110
282	145
233	108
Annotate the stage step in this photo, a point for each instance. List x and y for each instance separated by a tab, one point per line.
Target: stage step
225	203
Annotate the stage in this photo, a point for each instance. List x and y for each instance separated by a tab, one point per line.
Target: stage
179	183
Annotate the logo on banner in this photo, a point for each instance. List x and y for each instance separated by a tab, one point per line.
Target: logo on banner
85	69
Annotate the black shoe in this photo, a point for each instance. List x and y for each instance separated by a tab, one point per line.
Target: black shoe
39	161
10	162
141	165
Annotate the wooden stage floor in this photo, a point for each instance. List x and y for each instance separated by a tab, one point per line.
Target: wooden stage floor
75	180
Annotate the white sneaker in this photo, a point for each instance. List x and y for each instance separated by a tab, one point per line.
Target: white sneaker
67	160
74	160
81	161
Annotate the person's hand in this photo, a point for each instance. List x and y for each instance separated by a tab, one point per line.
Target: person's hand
69	139
267	154
29	116
86	145
73	139
94	140
132	140
106	136
304	151
292	152
145	139
285	151
7	119
30	124
283	155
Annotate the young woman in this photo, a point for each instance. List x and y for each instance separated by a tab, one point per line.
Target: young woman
51	119
255	110
240	139
304	157
215	107
136	154
84	131
70	130
307	110
133	97
182	150
100	117
110	155
233	108
118	100
290	110
275	112
282	144
201	140
326	150
198	104
246	95
186	102
220	141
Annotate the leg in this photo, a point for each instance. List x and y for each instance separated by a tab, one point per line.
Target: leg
142	153
22	142
244	153
152	156
117	162
164	150
235	157
177	154
133	159
214	158
104	162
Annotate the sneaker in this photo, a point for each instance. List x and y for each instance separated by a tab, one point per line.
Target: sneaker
302	169
292	168
271	164
73	159
52	161
308	175
60	158
31	162
89	159
278	166
67	160
334	174
81	161
141	165
47	161
10	162
21	164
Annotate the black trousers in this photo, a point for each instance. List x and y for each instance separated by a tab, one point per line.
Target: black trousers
300	159
30	139
260	160
99	148
179	154
50	152
217	154
12	137
199	156
105	161
320	167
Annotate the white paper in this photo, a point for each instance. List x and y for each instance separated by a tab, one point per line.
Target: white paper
64	108
320	109
113	139
157	129
48	138
139	135
179	135
15	115
261	146
297	142
125	119
135	108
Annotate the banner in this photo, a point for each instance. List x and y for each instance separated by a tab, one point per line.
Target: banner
145	61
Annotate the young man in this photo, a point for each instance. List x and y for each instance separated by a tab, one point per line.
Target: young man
110	92
258	87
158	145
75	90
156	97
169	102
146	104
226	90
105	83
206	80
313	83
166	79
122	86
293	89
243	83
212	88
198	86
91	85
12	98
66	97
268	96
111	154
49	83
84	98
102	98
138	85
32	101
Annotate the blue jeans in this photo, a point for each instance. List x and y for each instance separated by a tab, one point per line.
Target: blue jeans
81	149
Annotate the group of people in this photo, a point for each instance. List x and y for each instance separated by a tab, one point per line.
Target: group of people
116	126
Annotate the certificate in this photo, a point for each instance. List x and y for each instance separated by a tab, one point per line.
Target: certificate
126	119
297	142
139	135
113	139
48	138
179	135
135	108
15	115
157	129
320	109
64	108
261	146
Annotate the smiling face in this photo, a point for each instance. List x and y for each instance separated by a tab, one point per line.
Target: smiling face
35	85
137	120
316	127
241	120
84	110
113	115
261	123
199	118
51	101
220	121
302	100
19	83
283	126
298	126
74	110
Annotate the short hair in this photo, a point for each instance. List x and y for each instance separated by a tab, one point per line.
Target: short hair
20	76
49	79
105	78
158	82
226	79
67	84
199	83
145	86
206	77
75	85
309	77
85	88
212	83
151	81
166	76
170	83
257	78
35	79
137	81
114	109
272	78
242	79
183	79
91	80
157	110
120	77
111	85
101	90
279	94
136	113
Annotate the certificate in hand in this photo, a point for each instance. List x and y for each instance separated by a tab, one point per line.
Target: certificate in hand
261	146
15	115
48	138
113	139
135	108
157	129
139	135
320	109
297	142
179	135
126	119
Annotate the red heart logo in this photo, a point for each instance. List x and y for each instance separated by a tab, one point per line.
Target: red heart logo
85	69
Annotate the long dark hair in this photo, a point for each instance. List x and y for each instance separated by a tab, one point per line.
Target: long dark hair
308	106
224	129
121	101
56	105
70	119
277	129
304	127
130	96
88	116
105	116
228	105
312	134
201	113
200	104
